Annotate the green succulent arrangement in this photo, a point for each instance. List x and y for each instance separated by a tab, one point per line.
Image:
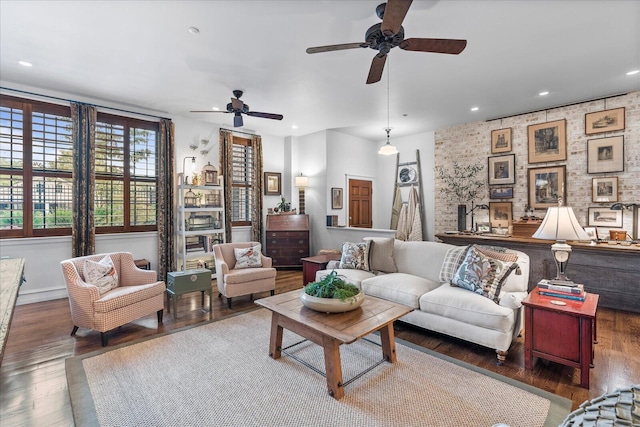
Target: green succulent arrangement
332	286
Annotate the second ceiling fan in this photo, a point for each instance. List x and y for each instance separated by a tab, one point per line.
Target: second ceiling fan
238	108
388	34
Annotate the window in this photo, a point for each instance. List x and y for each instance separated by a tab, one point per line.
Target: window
36	164
241	185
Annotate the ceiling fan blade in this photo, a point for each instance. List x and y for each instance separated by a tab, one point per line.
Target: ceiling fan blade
207	111
394	14
333	47
377	66
237	120
236	104
265	115
451	46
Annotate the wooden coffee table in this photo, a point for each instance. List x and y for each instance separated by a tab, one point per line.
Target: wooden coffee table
330	330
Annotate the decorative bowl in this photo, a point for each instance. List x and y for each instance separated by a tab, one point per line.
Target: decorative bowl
331	305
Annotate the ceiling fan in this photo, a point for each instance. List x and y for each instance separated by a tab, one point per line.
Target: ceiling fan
238	108
388	34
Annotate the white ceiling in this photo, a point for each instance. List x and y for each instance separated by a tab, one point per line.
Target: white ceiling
140	55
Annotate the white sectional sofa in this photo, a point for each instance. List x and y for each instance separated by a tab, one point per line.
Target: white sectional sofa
439	306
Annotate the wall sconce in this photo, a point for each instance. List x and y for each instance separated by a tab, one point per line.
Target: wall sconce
184	168
301	182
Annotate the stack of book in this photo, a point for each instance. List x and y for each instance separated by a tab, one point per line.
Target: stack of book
572	292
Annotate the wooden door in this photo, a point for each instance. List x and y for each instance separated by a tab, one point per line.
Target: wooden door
360	203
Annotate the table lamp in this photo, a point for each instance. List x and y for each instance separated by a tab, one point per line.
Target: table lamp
560	224
301	182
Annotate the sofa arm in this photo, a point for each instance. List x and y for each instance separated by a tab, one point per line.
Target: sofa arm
512	300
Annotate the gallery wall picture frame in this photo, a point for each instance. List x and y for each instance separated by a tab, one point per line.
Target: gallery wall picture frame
604	217
546	185
336	198
502	169
501	193
592	232
604	121
272	183
501	141
605	154
500	214
604	190
547	141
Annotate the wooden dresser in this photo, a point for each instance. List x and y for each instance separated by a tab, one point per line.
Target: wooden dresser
287	239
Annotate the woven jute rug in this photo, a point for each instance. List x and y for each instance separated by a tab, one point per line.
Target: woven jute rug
220	374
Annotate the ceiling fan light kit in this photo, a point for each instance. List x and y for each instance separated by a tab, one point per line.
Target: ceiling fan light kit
388	34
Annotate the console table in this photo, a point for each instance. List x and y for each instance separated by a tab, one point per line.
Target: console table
11	277
611	271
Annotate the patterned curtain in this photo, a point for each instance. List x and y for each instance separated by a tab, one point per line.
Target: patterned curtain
165	215
226	166
84	117
256	212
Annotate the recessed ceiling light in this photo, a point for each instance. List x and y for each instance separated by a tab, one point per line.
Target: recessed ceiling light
25	63
632	72
543	93
475	108
215	108
294	127
194	30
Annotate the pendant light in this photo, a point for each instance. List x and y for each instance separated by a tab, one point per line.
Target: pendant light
388	149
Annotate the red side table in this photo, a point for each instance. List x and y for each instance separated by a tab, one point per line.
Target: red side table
313	264
560	333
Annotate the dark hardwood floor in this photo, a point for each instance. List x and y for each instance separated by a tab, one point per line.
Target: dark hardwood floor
33	386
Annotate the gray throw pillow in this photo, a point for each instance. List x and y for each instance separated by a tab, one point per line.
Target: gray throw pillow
381	254
451	263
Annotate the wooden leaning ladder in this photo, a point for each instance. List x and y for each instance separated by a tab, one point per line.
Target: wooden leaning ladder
417	182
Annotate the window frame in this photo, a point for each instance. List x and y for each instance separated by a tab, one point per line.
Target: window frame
246	185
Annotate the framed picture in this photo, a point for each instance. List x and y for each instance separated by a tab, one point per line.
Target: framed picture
336	198
604	217
272	183
500	141
605	154
500	214
604	189
604	121
546	185
483	227
502	169
407	175
501	193
548	141
592	232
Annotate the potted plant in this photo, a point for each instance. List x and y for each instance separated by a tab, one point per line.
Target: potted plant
461	183
331	294
284	206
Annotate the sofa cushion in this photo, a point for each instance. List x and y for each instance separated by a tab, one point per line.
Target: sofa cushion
398	287
248	257
381	254
482	275
248	274
451	263
101	274
355	256
467	307
348	275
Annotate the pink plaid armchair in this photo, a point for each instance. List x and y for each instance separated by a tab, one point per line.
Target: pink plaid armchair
138	294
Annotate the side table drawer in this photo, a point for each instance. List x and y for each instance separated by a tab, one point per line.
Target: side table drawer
180	282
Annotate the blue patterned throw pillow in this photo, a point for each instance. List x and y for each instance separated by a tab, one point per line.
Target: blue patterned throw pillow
482	275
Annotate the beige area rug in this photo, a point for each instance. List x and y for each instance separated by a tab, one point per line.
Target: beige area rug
220	374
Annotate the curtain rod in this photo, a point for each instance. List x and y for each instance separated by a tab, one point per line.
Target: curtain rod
559	106
237	131
86	103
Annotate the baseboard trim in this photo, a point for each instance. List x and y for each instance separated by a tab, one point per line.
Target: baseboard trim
29	297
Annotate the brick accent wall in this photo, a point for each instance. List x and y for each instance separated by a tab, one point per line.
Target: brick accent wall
471	142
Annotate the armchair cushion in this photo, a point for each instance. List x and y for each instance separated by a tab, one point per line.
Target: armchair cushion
125	296
248	257
102	274
249	274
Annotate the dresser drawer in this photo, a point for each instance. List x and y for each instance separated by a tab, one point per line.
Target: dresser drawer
287	234
292	242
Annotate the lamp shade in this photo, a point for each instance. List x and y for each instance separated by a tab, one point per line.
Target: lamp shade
301	181
560	223
388	149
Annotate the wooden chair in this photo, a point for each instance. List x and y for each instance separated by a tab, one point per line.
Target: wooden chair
138	294
234	282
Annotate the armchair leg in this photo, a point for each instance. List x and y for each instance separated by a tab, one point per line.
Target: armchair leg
104	338
273	292
75	329
160	313
229	302
502	355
